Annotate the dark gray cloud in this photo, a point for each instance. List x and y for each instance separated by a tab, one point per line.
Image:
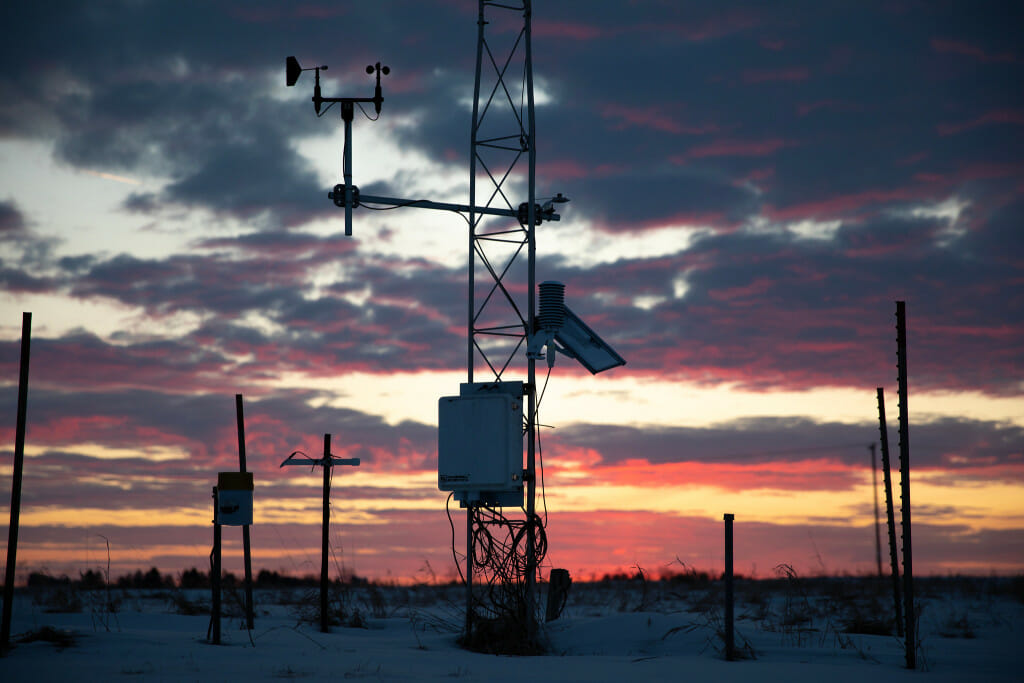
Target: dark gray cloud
957	447
765	310
12	222
202	428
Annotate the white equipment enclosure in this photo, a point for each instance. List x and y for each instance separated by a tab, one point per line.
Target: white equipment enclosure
480	443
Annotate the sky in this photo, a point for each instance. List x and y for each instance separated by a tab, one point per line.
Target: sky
753	188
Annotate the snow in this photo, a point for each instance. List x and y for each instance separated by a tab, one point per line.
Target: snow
610	631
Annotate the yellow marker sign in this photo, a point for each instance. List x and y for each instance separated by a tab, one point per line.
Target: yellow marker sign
234	498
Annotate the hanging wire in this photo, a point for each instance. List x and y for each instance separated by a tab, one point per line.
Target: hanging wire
324	111
372	118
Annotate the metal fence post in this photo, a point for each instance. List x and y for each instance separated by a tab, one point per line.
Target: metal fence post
730	647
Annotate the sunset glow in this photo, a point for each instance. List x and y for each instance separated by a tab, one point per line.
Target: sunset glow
752	189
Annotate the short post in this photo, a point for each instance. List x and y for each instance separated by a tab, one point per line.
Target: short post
328	461
878	524
730	649
19	464
559	582
215	575
908	570
325	540
246	546
889	513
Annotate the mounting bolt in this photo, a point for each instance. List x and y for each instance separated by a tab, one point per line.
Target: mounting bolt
338	195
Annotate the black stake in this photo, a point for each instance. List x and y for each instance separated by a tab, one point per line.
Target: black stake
246	547
889	514
908	571
730	648
215	575
878	530
19	464
324	621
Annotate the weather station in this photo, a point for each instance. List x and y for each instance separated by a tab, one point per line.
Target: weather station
485	431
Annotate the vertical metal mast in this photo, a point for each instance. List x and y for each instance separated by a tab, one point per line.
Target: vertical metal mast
502	133
531	382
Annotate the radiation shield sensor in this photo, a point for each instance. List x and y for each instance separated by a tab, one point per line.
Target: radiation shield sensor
561	330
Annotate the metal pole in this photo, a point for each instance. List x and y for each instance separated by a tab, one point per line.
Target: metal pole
890	516
215	574
19	464
246	546
878	530
908	571
326	527
730	648
471	291
469	571
471	295
347	114
531	288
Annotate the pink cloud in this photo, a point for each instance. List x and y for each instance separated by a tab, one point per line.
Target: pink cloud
654	118
754	289
790	74
806	108
738	148
712	27
1011	116
912	159
570	169
841	205
557	29
968	50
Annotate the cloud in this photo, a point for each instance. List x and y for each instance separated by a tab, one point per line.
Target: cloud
948	444
12	222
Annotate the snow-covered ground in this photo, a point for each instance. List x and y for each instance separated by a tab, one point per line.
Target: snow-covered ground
629	630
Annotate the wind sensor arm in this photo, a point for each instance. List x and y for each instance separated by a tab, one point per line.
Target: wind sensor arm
292	72
545	212
347	195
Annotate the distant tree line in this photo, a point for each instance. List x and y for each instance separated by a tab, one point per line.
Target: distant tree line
190	578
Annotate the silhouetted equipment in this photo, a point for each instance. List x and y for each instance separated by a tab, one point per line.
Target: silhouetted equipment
559	583
292	71
213	631
327	462
908	571
348	191
480	444
16	479
561	330
890	514
246	544
499	326
232	506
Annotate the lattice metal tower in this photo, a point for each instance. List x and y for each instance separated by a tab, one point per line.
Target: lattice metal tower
501	325
503	155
